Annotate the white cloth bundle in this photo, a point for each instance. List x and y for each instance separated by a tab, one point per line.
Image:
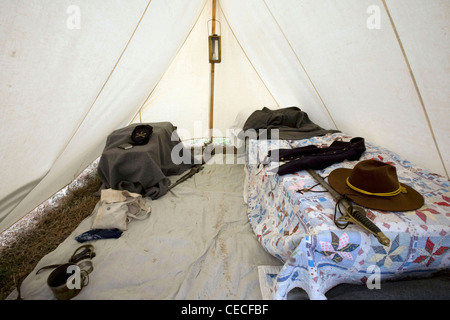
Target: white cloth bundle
117	208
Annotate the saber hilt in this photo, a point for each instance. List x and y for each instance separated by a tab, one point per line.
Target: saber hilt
357	215
353	214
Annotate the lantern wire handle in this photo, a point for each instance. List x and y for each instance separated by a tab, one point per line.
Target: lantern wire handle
220	26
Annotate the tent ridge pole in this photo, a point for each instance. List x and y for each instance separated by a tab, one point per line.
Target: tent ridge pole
211	94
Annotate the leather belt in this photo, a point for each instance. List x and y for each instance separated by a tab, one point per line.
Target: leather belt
84	252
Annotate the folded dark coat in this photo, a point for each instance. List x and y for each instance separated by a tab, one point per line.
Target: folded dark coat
289	123
313	157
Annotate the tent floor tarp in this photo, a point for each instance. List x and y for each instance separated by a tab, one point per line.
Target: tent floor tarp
196	244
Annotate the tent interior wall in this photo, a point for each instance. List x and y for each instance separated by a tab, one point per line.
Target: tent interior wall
74	71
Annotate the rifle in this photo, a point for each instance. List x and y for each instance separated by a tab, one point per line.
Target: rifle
195	169
353	214
206	148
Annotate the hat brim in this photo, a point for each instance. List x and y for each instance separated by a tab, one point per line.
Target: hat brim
410	200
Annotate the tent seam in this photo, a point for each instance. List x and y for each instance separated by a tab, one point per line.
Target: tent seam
303	67
104	84
245	53
416	86
90	108
162	76
106	81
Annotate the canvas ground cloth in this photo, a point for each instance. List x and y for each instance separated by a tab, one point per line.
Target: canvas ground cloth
196	244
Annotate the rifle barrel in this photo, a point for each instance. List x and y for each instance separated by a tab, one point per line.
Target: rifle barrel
191	172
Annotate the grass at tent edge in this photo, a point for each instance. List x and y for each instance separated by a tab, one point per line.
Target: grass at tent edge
24	244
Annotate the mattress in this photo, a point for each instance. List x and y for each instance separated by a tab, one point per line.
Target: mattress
298	227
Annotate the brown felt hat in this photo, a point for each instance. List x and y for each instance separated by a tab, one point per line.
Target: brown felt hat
374	184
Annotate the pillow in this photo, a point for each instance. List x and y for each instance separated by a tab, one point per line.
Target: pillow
242	117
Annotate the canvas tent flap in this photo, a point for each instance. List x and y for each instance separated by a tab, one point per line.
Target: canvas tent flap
67	89
183	94
74	72
424	33
359	73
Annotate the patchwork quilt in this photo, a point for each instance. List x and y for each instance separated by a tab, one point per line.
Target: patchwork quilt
297	226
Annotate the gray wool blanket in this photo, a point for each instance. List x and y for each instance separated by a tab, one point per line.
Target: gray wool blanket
142	169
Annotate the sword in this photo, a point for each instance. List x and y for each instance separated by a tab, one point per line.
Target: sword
353	214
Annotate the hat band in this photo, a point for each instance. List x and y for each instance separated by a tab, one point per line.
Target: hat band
379	194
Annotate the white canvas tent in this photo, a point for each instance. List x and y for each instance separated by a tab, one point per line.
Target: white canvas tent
74	71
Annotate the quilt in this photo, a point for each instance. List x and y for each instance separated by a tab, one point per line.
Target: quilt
297	227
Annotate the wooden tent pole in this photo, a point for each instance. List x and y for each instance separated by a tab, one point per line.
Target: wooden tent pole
211	95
